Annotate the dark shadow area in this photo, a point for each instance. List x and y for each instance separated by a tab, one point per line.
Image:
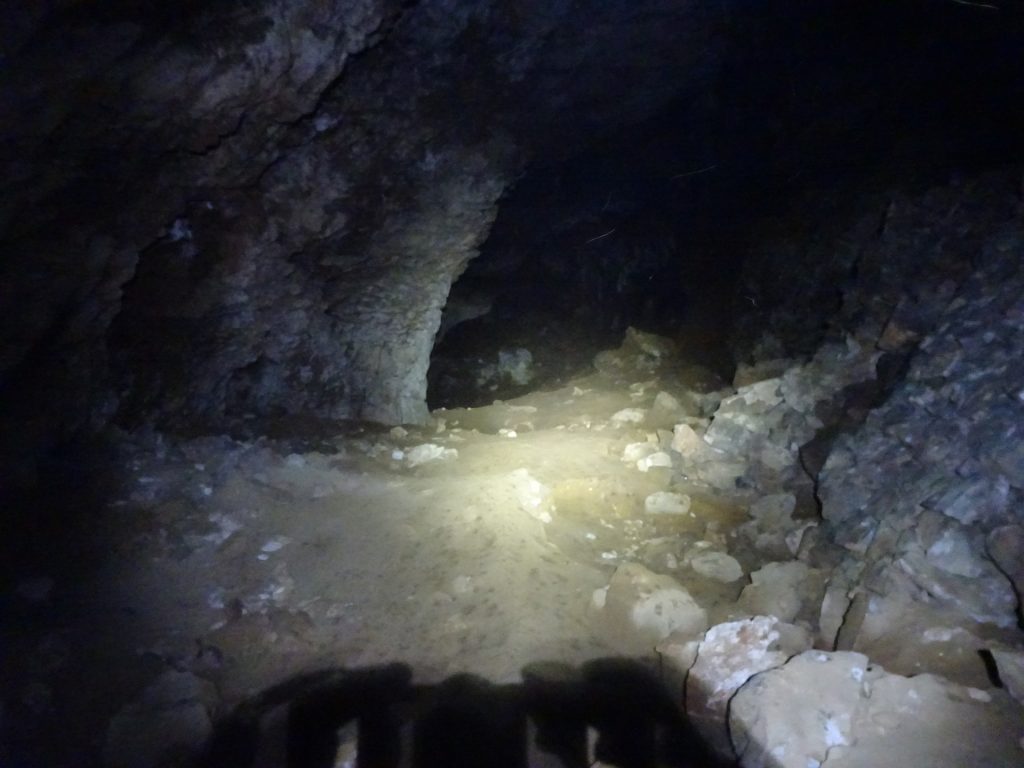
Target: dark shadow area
805	111
467	721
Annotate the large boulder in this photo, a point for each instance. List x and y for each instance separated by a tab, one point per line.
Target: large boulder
728	656
836	707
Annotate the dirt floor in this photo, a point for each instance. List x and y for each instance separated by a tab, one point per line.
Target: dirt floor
160	583
474	545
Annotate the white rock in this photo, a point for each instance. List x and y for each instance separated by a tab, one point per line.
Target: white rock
728	656
633	452
658	459
426	452
531	494
667	503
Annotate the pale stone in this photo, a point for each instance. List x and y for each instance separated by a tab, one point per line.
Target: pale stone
427	452
728	656
659	459
717	565
792	716
667	503
642	608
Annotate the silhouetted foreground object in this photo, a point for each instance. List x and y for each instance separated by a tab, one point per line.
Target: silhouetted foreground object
468	722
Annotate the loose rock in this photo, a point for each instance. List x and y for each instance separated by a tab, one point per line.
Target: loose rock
716	565
667	503
426	452
642	608
728	656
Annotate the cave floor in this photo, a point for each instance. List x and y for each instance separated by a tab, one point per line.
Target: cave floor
245	562
475	544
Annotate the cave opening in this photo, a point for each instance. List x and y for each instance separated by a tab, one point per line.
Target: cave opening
378	378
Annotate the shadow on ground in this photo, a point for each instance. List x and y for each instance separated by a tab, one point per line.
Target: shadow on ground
465	720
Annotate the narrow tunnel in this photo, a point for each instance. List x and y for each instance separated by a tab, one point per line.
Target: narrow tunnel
514	384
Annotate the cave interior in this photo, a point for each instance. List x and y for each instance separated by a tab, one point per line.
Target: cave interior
563	383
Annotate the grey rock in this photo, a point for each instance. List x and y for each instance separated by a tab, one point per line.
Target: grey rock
1010	664
716	565
784	590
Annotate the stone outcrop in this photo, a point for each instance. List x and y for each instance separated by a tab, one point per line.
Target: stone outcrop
906	429
923	492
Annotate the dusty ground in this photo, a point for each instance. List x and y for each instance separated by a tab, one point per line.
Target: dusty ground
474	544
248	561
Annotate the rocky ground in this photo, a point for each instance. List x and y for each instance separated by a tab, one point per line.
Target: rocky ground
644	510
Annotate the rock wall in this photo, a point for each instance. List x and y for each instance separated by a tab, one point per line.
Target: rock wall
259	208
920	483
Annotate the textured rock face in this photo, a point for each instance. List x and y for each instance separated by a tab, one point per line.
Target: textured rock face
935	471
242	215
